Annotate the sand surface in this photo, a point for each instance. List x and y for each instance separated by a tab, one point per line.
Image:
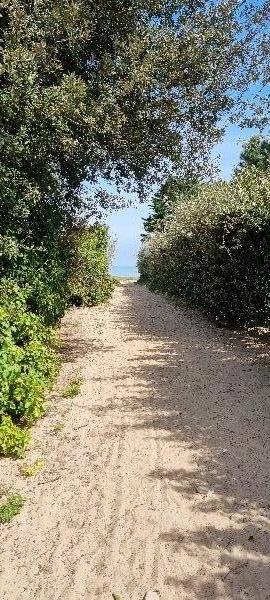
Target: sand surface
157	473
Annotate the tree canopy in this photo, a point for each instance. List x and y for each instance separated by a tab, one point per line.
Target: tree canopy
164	201
256	152
116	89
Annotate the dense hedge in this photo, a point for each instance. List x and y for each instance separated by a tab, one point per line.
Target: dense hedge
215	251
89	281
42	274
39	284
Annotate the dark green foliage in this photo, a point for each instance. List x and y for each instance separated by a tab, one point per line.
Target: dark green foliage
27	357
89	281
119	90
28	362
10	507
42	274
256	153
214	253
108	89
164	201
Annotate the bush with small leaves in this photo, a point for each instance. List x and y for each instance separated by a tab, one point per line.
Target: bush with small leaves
13	439
10	507
28	362
89	280
214	252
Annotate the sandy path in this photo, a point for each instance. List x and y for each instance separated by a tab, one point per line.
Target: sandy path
160	475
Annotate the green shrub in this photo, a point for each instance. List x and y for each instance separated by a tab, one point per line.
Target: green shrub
45	279
33	298
13	439
10	507
89	281
215	251
42	274
28	362
40	270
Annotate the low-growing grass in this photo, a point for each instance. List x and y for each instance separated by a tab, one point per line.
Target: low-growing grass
58	426
73	388
32	469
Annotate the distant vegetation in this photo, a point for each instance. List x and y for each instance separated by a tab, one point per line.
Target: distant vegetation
211	249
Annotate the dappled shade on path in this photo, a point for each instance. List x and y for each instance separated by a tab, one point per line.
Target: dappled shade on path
163	468
208	391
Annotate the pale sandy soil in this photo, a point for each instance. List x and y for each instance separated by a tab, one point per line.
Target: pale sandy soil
160	475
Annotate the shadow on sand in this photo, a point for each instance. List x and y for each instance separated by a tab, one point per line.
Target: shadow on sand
208	389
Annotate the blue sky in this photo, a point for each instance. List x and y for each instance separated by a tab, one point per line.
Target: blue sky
126	225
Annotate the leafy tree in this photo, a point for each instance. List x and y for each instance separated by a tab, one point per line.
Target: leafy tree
257	153
164	201
118	89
